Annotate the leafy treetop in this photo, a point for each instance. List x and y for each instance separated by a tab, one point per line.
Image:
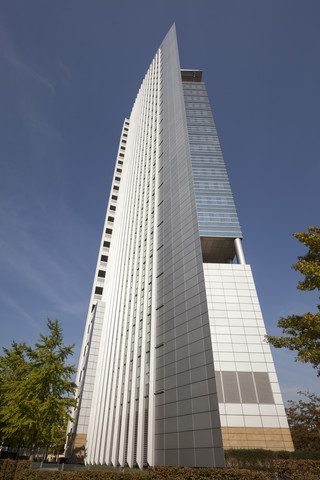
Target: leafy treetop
301	333
36	390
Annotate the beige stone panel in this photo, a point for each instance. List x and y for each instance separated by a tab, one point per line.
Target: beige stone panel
76	447
265	438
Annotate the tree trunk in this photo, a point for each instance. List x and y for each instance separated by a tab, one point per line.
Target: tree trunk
33	448
17	453
45	454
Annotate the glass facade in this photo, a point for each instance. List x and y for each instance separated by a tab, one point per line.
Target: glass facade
217	215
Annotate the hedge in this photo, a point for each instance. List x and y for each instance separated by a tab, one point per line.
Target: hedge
188	473
8	469
256	459
283	469
297	469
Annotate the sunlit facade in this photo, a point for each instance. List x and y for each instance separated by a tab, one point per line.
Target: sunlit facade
174	366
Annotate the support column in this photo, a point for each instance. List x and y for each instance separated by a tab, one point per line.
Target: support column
239	251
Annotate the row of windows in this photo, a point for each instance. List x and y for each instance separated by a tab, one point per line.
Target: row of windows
211	187
190	107
221	223
222	231
108	231
212	176
197	170
199	93
198	98
201	129
200	120
198	138
205	148
226	200
198	113
210	163
193	86
208	156
217	215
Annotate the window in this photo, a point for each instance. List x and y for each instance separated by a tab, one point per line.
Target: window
110	219
106	244
101	273
104	258
114	197
112	207
109	230
119	170
118	179
123	148
120	162
121	155
98	290
115	187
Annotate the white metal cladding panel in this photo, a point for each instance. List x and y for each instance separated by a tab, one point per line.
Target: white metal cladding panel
89	364
248	388
99	281
187	425
122	402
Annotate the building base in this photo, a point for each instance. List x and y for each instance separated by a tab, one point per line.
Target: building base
265	438
76	448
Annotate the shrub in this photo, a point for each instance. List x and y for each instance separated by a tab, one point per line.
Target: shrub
8	469
297	469
284	469
186	473
264	459
22	468
310	454
255	459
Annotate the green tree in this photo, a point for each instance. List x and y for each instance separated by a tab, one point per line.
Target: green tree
301	333
304	421
36	391
13	370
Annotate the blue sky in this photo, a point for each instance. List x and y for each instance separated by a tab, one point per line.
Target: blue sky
69	73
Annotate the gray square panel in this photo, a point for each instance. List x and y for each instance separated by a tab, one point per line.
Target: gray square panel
203	439
187	457
186	440
204	457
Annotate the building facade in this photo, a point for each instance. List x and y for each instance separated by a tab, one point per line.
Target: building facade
174	366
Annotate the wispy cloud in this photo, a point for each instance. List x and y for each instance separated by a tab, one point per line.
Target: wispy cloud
14	61
9	52
11	302
52	273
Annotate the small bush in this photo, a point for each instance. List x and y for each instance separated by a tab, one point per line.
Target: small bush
8	469
187	473
309	454
297	469
22	469
256	459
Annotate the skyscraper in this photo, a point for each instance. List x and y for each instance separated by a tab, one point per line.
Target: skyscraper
174	366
